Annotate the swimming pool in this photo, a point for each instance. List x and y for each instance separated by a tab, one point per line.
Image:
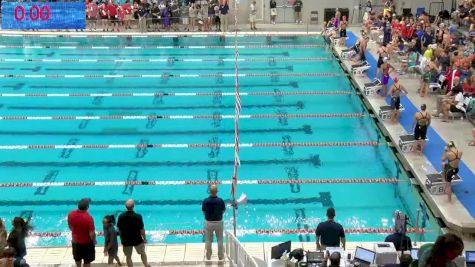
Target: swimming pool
309	143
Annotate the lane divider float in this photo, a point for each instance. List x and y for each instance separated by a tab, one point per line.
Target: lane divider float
63	60
183	117
173	94
205	145
204	182
241	232
160	47
170	75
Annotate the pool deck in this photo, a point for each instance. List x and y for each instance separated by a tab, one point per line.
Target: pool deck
455	215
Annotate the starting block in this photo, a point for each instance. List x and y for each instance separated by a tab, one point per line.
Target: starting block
385	112
407	143
372	87
436	184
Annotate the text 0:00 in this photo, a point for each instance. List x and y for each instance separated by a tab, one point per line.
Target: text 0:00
35	13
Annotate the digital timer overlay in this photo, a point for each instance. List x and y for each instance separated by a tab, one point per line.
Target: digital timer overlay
43	15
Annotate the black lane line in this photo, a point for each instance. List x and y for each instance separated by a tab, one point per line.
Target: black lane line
289	84
7	68
289	68
124	55
313	159
307	129
298	104
164	202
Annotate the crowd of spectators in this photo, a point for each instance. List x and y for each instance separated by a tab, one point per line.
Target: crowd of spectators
158	15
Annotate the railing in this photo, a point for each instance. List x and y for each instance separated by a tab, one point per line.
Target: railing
237	255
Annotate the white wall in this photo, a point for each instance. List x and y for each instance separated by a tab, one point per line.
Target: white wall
320	5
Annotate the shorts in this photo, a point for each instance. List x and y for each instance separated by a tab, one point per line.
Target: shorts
454	109
396	103
273	11
252	18
420	132
450	173
140	248
343	33
84	252
385	79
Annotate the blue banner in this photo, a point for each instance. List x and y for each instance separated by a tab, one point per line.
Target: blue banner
43	15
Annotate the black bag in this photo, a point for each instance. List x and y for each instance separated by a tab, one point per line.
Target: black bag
297	254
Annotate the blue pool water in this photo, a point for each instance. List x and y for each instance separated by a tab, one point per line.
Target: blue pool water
177	207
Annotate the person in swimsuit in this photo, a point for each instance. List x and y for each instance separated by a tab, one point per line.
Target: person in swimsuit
385	70
395	93
422	121
450	168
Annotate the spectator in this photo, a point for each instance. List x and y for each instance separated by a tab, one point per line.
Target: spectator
199	17
9	259
217	19
469	86
92	12
395	93
166	17
447	247
132	233
175	9
104	17
16	238
142	14
128	14
82	227
224	15
298	11
252	15
401	241
3	237
210	18
422	120
155	14
192	16
456	87
429	75
273	11
111	246
213	208
330	233
453	156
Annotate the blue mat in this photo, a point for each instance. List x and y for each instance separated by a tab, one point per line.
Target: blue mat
465	191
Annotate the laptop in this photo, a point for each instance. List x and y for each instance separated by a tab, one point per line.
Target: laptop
280	249
414	254
470	258
364	257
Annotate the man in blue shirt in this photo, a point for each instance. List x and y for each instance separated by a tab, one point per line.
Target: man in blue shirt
213	208
330	233
223	15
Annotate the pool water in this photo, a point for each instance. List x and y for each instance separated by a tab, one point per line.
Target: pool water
168	209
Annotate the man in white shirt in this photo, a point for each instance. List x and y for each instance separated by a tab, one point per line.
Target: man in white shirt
252	15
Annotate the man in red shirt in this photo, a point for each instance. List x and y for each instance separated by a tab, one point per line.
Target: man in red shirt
82	227
112	13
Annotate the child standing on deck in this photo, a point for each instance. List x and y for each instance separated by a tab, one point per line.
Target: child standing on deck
111	246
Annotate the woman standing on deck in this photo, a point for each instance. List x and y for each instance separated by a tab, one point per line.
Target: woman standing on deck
16	238
450	169
3	237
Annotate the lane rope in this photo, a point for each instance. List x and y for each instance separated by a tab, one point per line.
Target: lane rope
174	94
157	34
248	232
205	182
205	145
170	75
47	60
159	47
183	117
